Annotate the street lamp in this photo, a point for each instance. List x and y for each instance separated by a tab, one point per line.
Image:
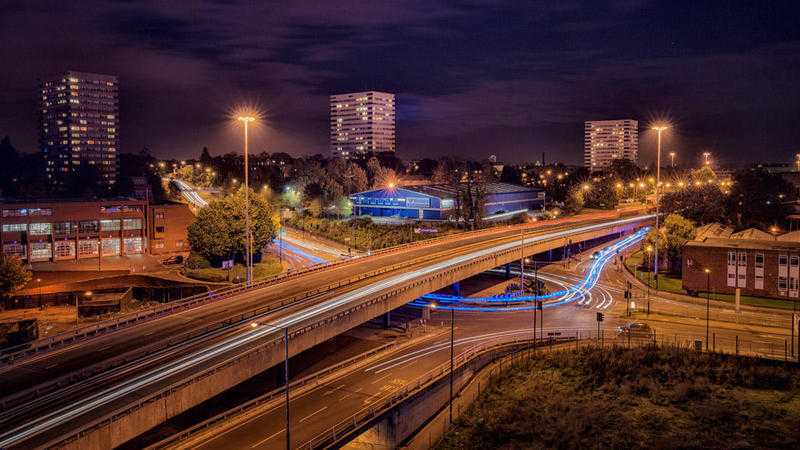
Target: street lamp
246	120
452	353
708	300
659	129
39	286
706	160
672	159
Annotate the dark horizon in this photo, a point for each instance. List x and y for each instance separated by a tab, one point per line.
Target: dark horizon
471	80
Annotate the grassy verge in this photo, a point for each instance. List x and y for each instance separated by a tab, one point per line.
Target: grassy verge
635	398
268	267
668	283
363	234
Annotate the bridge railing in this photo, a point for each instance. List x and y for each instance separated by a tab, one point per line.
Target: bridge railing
306	326
10	355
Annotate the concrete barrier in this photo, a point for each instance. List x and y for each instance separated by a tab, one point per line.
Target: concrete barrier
141	414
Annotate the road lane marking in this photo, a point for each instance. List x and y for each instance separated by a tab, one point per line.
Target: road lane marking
267	438
382	378
331	391
313	414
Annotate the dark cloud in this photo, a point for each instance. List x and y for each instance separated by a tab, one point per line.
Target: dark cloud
472	78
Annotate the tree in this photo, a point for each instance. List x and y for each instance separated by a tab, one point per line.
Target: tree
702	204
600	195
218	232
677	231
373	170
205	157
292	196
624	169
759	198
510	174
344	207
357	180
703	174
575	200
13	275
314	206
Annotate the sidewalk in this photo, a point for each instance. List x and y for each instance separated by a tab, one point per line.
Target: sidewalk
720	310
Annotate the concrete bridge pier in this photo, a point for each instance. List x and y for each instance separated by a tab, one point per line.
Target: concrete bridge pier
456	288
508	271
387	320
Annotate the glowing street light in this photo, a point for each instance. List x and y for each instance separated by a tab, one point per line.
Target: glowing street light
659	128
247	119
706	158
672	159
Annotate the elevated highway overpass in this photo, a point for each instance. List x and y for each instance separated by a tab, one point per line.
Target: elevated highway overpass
139	376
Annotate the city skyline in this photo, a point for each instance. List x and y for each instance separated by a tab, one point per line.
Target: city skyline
496	79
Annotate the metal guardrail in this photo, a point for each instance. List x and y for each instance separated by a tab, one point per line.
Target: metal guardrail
10	355
365	415
278	393
299	330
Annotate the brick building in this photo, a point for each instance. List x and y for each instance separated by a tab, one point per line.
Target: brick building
68	230
756	262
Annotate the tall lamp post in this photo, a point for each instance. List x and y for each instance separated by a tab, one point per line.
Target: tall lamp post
659	129
248	238
452	353
708	301
672	159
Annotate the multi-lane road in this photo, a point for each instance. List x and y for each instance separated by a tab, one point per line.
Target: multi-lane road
89	378
315	411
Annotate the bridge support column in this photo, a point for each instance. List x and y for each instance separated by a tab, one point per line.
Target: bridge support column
387	320
508	271
456	287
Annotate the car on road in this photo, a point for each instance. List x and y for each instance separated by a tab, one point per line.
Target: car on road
176	259
635	329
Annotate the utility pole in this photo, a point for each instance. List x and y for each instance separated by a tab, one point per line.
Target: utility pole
452	356
286	383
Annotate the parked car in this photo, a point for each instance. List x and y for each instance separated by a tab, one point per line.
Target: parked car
175	259
637	329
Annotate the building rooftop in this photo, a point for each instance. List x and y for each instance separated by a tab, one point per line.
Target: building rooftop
448	190
717	235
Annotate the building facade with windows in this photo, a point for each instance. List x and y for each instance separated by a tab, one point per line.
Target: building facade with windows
362	122
439	201
79	125
755	262
607	140
71	230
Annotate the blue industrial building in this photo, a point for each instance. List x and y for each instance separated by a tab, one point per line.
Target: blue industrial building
438	201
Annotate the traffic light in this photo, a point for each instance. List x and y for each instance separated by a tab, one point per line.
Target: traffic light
600	317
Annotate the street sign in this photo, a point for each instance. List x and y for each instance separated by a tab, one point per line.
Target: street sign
227	264
600	317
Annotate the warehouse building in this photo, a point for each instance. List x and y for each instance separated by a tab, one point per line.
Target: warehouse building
439	201
71	230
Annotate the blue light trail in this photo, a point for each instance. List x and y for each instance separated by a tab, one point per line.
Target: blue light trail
578	292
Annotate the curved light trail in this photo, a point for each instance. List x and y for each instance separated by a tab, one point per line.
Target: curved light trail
579	292
62	414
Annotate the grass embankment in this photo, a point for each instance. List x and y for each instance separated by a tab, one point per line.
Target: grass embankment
363	234
669	283
635	398
268	267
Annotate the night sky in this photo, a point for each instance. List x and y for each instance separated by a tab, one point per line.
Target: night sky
475	78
